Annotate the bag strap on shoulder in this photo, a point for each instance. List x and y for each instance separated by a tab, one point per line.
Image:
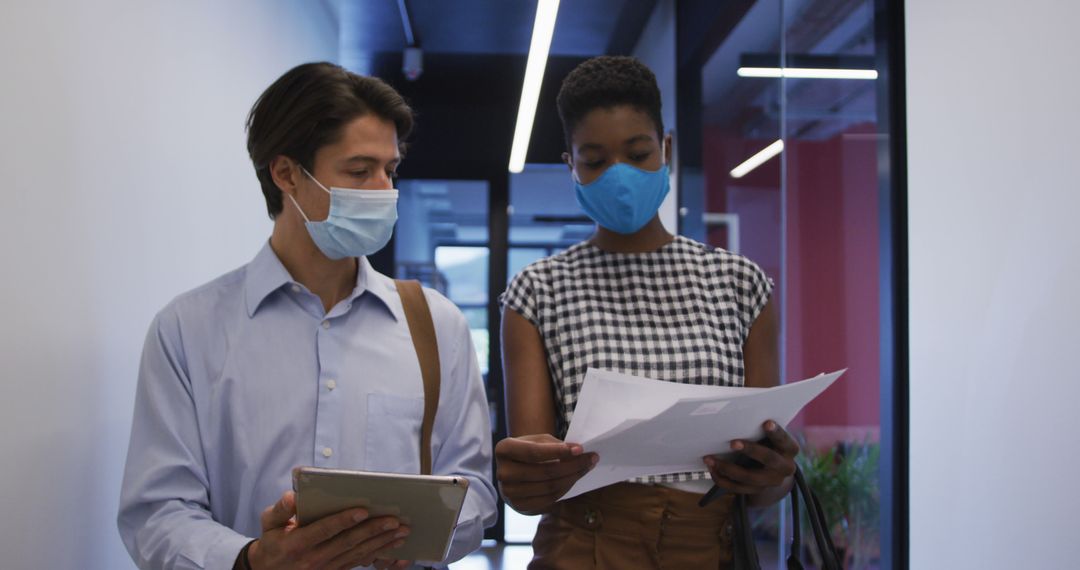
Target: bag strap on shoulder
422	330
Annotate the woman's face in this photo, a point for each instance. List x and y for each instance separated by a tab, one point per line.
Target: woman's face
605	136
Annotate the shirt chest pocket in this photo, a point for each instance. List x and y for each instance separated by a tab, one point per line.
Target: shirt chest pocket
393	433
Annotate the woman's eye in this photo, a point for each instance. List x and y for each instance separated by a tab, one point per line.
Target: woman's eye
640	157
358	173
594	164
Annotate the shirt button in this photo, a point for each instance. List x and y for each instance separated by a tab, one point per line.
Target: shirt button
327	452
295	288
326	324
330	384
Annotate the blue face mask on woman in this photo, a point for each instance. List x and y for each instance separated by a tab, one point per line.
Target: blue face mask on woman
360	221
624	198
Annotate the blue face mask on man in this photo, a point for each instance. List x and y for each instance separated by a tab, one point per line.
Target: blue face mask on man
360	221
624	198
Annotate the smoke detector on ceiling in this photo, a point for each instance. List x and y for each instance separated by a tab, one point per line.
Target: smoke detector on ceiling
412	64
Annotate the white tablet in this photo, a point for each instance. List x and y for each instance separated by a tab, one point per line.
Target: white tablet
428	504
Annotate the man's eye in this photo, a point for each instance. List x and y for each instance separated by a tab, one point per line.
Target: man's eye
358	173
640	157
594	164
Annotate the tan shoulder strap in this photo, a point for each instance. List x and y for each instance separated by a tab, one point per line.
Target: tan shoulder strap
422	329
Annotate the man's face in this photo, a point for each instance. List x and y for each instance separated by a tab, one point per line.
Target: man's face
365	157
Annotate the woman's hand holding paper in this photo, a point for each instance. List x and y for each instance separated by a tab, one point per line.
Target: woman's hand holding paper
761	470
534	471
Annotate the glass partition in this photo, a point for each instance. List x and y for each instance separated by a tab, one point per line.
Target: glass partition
787	170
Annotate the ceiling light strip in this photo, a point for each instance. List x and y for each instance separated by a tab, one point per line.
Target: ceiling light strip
543	29
758	159
807	73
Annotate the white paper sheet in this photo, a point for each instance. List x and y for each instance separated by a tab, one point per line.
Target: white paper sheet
641	427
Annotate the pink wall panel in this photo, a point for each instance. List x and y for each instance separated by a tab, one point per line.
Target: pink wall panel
832	257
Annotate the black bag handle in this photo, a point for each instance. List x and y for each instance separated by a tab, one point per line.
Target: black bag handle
814	512
793	562
745	552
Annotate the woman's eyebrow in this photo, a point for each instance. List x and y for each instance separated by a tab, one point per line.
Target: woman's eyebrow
636	139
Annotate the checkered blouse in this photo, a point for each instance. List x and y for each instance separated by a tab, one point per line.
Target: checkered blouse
680	313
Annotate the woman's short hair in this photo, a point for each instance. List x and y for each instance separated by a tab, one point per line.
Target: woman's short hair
605	82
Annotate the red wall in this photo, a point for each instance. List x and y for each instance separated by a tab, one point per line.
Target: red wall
832	258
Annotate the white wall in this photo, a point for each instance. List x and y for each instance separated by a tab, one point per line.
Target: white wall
125	182
995	270
656	49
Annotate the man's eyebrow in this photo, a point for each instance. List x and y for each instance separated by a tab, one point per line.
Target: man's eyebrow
369	159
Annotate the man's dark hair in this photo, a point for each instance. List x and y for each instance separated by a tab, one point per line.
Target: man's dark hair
305	110
605	82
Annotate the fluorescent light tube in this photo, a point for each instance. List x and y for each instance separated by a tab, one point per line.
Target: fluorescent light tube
758	159
807	73
543	29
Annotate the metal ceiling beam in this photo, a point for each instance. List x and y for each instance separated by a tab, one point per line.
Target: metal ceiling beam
633	18
406	23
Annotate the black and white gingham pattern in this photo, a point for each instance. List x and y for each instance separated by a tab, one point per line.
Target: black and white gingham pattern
679	314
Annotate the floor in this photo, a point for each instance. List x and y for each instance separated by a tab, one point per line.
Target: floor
496	557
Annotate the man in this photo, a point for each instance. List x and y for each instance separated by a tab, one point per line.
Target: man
301	357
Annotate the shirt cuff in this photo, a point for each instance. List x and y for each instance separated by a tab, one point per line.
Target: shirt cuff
222	554
467	538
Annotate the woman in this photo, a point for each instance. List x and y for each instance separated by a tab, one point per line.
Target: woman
638	300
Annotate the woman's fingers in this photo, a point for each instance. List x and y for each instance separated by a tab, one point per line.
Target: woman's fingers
760	465
732	486
534	471
780	440
760	477
510	471
769	459
535	449
553	488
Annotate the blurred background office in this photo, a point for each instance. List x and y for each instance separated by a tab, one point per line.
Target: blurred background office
901	169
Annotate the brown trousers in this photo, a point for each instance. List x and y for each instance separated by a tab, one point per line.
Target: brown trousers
629	526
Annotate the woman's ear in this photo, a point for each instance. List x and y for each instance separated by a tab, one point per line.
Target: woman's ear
286	174
669	142
569	160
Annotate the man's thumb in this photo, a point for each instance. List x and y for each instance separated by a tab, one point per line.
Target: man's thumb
278	515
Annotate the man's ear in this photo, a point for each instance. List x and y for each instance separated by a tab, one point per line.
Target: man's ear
669	142
569	160
286	174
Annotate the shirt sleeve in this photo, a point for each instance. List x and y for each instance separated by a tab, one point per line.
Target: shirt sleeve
521	297
164	516
462	429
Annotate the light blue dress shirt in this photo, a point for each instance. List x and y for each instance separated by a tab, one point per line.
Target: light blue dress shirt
246	377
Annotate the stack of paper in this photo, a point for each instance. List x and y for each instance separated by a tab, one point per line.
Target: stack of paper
641	427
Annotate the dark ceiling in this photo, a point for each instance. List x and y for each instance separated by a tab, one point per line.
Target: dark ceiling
473	65
584	28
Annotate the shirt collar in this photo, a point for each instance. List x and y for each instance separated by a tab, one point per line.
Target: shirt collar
266	274
381	286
